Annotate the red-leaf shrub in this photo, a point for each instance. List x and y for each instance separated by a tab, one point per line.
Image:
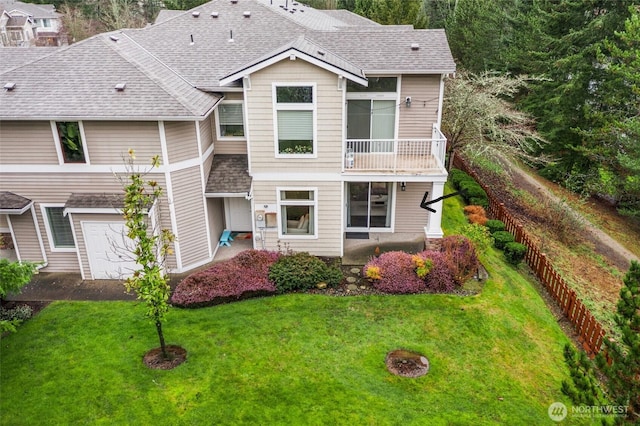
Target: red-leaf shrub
439	279
397	273
244	276
460	256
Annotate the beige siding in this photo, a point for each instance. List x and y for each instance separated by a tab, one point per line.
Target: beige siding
3	221
328	212
27	142
26	241
216	218
206	165
409	216
108	142
77	226
329	118
190	215
55	188
233	96
231	147
182	143
206	133
416	121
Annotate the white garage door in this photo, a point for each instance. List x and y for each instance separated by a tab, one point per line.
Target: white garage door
109	250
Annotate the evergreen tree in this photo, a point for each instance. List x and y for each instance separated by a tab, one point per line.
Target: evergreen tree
622	368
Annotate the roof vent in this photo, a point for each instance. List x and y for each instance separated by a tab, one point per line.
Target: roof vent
113	38
415	46
234	1
10	86
247	14
195	14
214	14
120	87
321	52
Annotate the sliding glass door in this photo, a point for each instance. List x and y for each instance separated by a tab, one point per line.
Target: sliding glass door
368	205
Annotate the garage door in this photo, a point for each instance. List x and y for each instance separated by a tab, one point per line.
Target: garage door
109	250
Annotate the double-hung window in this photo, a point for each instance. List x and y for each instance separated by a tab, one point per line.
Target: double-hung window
230	120
70	140
295	118
297	207
58	228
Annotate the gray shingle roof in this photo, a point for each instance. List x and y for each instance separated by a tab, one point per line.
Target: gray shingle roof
11	57
229	175
95	201
79	82
169	66
10	201
35	10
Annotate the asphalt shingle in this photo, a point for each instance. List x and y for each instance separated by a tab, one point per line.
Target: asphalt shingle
229	175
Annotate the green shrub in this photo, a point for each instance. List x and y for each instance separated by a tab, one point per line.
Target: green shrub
20	313
514	252
479	236
495	225
471	189
502	238
302	271
478	201
457	176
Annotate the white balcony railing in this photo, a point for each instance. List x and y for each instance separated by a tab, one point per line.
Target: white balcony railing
421	156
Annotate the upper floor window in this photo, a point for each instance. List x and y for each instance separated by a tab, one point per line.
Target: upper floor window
294	110
46	23
58	228
70	139
230	120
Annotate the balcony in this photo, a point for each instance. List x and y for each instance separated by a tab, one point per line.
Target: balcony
396	156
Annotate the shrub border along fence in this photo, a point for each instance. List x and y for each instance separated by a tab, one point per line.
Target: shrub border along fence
590	331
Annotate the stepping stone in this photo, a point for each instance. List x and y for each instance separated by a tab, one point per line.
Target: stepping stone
351	280
352	287
355	270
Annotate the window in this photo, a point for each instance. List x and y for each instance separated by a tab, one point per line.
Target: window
70	141
376	84
58	228
46	23
297	212
295	119
230	120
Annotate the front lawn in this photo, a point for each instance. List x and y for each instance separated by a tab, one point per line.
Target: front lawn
496	358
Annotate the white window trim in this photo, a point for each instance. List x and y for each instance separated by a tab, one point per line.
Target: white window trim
56	139
295	107
313	203
47	226
244	123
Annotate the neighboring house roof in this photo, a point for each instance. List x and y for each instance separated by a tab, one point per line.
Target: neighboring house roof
17	21
11	203
38	11
229	175
170	66
79	82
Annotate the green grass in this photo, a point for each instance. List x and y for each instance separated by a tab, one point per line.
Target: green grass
297	359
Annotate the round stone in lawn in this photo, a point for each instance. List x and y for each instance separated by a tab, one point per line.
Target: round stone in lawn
406	363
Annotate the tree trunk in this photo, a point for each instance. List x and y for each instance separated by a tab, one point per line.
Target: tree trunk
161	337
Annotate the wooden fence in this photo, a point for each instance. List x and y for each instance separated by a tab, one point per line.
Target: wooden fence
590	332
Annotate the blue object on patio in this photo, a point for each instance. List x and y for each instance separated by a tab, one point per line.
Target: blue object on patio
225	238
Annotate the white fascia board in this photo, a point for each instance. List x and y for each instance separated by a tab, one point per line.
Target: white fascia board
16	211
409	72
348	177
226	194
298	55
89	210
106	118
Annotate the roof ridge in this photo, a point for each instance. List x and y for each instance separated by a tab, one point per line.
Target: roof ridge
162	84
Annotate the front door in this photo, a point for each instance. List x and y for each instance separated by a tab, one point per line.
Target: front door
368	205
238	214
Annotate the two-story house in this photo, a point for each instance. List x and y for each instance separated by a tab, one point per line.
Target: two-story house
27	24
298	125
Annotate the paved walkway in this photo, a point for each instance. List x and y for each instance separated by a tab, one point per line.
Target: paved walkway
49	286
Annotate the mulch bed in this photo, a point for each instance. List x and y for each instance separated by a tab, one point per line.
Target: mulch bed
176	356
